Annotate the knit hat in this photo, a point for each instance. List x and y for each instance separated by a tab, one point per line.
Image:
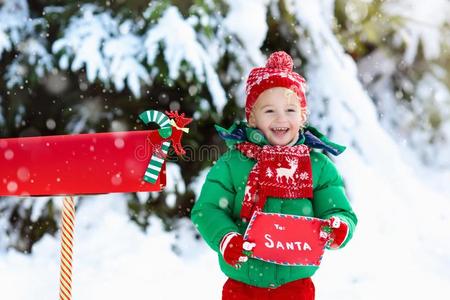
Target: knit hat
277	73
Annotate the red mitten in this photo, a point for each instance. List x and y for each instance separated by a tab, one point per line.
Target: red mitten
339	232
232	248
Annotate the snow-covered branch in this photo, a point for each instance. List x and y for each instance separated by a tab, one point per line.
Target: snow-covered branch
180	44
113	51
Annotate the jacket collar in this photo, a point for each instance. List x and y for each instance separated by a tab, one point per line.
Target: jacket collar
240	132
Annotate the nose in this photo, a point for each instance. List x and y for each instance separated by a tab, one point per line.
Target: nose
281	116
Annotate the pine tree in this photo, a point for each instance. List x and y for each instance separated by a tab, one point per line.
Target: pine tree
82	67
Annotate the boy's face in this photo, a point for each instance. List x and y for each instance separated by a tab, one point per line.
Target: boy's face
278	115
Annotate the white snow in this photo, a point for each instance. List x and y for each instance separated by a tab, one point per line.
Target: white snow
113	51
180	44
423	21
247	19
114	259
5	44
19	33
400	240
13	15
124	52
37	56
83	40
422	123
174	183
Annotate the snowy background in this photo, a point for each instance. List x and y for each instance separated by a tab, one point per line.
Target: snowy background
401	247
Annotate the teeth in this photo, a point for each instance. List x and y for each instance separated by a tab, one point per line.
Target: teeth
280	128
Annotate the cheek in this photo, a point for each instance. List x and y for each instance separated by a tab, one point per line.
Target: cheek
266	122
259	120
297	120
301	119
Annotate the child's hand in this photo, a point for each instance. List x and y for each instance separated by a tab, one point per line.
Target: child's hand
335	232
234	250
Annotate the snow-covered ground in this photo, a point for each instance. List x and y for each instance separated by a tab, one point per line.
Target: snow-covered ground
114	259
401	250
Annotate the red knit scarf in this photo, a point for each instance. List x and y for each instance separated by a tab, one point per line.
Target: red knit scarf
280	171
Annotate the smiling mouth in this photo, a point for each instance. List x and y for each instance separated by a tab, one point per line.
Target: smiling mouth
279	130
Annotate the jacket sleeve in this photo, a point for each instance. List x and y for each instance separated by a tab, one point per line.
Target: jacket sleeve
330	198
212	212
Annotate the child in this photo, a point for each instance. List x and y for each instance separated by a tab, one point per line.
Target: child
235	187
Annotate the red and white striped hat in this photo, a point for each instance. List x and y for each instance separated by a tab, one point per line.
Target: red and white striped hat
277	73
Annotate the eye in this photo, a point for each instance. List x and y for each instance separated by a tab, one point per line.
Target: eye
291	110
269	111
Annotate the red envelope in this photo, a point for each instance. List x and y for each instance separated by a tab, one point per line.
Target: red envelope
78	164
286	239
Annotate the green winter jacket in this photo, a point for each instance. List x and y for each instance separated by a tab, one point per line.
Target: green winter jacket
217	210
